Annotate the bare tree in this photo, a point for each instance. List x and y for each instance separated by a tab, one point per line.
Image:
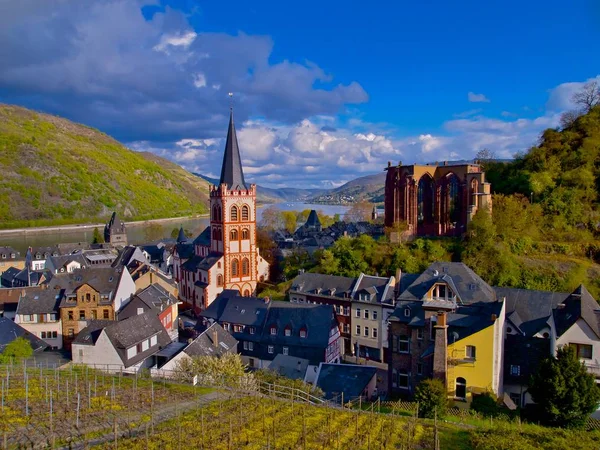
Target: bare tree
568	118
485	156
588	97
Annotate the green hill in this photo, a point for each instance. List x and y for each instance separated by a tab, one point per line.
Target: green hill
55	171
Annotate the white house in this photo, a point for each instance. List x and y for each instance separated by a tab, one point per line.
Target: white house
38	313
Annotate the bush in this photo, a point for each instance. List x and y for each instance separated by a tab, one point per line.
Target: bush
485	404
432	397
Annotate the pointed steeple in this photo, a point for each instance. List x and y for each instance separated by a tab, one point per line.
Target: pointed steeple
231	172
181	236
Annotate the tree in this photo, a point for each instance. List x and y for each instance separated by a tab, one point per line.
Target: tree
565	393
271	218
485	404
227	370
588	97
98	238
359	212
18	349
290	220
485	156
432	397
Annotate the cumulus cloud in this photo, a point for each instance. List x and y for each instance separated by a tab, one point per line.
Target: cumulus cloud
477	98
560	98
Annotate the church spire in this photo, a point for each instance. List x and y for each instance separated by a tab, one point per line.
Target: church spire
231	172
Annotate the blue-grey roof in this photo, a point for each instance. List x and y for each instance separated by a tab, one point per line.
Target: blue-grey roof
9	331
40	300
313	219
578	305
214	341
181	237
319	284
231	172
289	366
349	379
185	250
203	238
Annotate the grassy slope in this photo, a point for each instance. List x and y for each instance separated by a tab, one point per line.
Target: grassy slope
55	171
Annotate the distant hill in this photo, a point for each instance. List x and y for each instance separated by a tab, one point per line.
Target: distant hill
55	171
268	195
369	188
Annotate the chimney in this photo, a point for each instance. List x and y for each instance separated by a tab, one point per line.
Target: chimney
494	317
398	276
23	293
440	351
215	336
389	164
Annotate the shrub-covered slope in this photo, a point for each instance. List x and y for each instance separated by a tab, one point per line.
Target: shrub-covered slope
55	171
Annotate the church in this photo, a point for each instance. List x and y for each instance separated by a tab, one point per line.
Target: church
225	254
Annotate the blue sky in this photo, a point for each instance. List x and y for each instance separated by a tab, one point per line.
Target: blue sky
324	91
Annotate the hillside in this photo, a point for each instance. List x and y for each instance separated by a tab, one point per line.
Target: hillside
369	188
268	195
55	171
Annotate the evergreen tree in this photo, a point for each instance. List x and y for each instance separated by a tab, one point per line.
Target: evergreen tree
565	393
97	238
432	397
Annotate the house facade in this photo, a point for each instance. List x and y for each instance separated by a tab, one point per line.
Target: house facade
38	313
9	257
227	256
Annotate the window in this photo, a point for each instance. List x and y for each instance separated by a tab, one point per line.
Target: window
245	266
54	335
245	233
470	351
214	211
234	235
403	380
245	345
131	352
273	331
345	328
584	351
419	368
235	269
515	370
245	213
375	332
374	315
358	312
237	328
105	314
246	292
461	388
219	280
366	313
346	310
43	336
81	315
71	332
28	318
234	214
406	312
251	330
285	351
270	349
403	344
226	326
250	346
420	334
153	341
302	333
358	330
94	314
88	297
288	331
70	315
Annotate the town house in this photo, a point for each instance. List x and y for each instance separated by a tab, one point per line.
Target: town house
38	313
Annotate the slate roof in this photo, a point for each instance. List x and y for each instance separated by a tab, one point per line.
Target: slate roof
209	344
9	331
105	280
156	296
6	252
156	252
181	237
185	250
376	287
9	275
289	366
40	300
528	310
90	334
115	225
313	219
202	263
231	308
525	352
578	305
467	285
231	172
310	283
349	379
61	261
203	238
44	252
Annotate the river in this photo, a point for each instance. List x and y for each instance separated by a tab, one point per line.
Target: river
141	232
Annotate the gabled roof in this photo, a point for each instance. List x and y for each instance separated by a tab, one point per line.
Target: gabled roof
289	366
349	379
155	296
231	172
9	331
203	238
64	260
578	305
231	308
465	283
6	252
90	334
202	263
379	289
214	341
104	280
319	284
40	300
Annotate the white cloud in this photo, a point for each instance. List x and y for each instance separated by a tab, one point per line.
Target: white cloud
477	98
560	98
183	40
199	80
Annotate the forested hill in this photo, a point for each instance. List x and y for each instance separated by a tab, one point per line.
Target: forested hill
561	174
55	171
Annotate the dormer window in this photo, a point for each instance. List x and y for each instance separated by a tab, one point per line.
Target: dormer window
303	332
406	312
288	331
273	330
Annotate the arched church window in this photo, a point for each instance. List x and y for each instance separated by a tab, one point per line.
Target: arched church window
235	269
245	233
219	280
245	213
219	215
214	213
234	235
234	214
245	266
246	293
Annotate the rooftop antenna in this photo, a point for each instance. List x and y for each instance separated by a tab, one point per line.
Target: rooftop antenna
230	101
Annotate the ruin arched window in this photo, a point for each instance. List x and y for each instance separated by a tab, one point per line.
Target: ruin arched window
245	213
245	233
233	235
425	200
235	268
245	266
474	189
453	197
234	214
